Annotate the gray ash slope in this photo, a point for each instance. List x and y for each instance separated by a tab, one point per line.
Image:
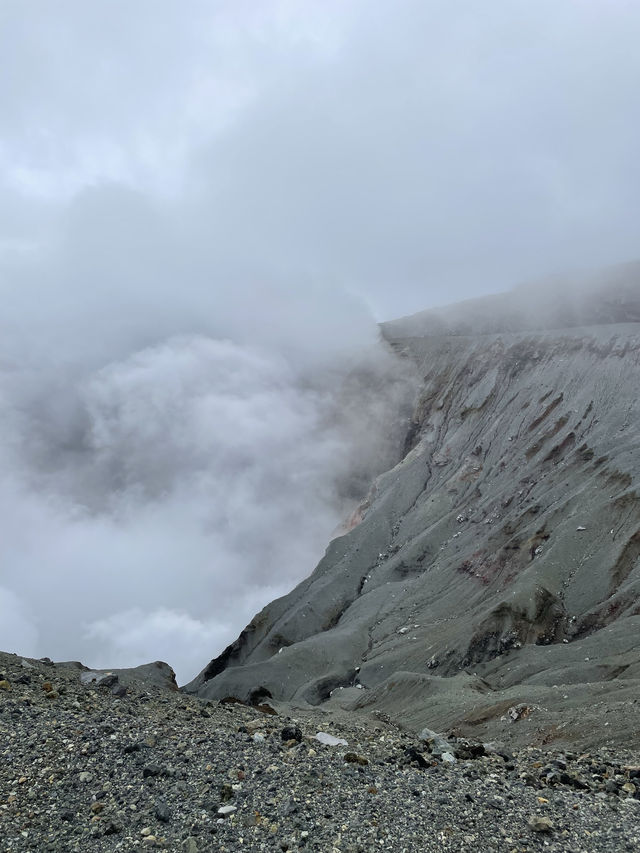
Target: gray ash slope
498	564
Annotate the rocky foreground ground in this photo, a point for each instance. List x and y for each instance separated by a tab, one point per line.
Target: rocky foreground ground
94	763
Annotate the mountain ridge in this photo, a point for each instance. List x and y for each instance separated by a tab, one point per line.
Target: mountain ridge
500	557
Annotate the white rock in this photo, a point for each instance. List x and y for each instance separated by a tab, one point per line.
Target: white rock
330	740
225	810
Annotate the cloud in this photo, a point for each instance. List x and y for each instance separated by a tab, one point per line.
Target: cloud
412	153
182	482
200	218
140	637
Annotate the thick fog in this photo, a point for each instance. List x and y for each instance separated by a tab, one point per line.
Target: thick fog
181	437
204	210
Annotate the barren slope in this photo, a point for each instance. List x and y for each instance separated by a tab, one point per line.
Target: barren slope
498	563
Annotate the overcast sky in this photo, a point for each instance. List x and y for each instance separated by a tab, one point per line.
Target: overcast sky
204	208
412	151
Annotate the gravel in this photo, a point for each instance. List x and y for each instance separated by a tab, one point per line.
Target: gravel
97	768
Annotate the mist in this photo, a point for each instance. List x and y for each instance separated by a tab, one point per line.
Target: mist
178	451
203	218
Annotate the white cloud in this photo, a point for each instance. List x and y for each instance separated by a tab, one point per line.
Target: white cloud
198	215
197	477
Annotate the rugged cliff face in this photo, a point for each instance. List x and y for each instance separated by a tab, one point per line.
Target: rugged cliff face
498	564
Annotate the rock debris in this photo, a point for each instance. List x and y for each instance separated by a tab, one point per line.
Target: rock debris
93	769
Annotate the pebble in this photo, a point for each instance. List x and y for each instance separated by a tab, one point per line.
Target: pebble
163	813
103	773
291	733
540	824
354	758
330	740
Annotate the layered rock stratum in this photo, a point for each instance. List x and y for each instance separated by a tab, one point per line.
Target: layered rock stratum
492	584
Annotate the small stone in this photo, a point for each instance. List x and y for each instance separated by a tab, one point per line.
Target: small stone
540	824
291	733
149	840
190	845
519	712
85	776
223	811
414	754
436	743
111	828
4	684
146	831
162	811
467	749
97	807
151	770
47	687
226	793
354	758
330	740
